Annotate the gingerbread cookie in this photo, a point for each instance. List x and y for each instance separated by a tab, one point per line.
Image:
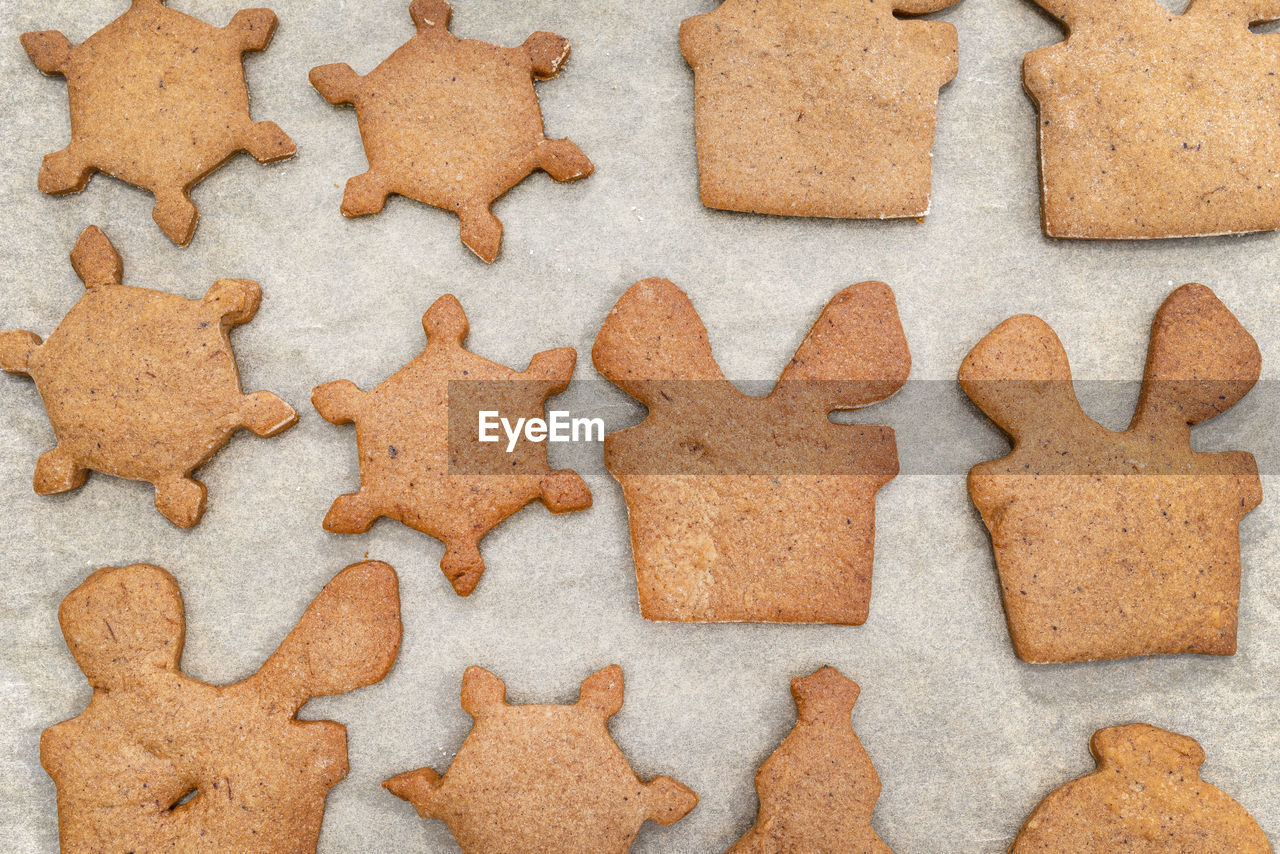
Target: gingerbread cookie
141	384
453	123
1117	544
1146	797
822	108
160	761
542	778
158	100
420	461
818	789
1155	124
752	508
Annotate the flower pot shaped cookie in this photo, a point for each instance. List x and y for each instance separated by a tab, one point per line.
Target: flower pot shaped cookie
160	761
420	459
818	107
546	779
453	123
158	100
142	384
1155	124
1146	797
1117	544
818	789
752	508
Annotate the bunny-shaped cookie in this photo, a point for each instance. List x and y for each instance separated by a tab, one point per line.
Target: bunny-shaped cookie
1117	544
752	508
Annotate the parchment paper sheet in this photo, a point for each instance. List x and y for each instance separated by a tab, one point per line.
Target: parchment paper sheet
966	738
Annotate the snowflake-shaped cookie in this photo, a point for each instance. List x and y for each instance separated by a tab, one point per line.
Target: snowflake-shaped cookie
158	100
419	461
160	761
141	384
453	123
548	779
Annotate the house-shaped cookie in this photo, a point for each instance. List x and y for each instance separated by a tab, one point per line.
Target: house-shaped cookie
818	107
1155	124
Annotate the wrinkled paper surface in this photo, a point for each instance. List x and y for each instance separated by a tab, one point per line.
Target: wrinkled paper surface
966	738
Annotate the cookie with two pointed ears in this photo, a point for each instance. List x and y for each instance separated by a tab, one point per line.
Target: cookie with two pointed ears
1156	124
1117	544
160	761
452	123
824	108
141	384
158	100
421	461
752	508
1146	796
818	789
542	778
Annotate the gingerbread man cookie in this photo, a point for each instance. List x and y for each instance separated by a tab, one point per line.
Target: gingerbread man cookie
752	508
142	384
158	100
420	461
160	761
542	778
818	107
453	123
1117	544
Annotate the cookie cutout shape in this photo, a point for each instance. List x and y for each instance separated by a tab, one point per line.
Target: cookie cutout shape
1155	124
142	384
452	123
752	508
416	435
159	100
1117	544
542	778
818	789
152	736
1145	797
822	108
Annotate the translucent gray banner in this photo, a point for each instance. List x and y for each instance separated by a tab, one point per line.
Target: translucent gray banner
705	427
